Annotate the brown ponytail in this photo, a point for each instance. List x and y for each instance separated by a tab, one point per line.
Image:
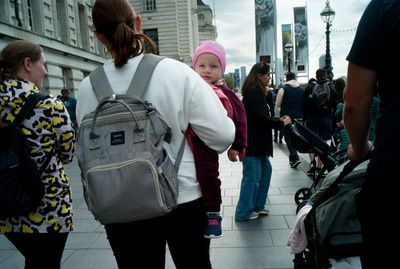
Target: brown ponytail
115	20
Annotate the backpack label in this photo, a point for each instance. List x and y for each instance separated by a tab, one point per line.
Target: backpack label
117	138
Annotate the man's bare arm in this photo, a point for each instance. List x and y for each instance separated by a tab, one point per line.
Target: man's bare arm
361	85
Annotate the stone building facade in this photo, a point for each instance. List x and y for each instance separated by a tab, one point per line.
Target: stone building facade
207	29
63	29
177	26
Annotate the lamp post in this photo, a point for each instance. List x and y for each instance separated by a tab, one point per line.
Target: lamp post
327	15
289	49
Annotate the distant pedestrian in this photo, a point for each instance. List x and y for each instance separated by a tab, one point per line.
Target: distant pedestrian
290	102
209	61
374	114
373	67
344	140
278	133
340	132
70	103
40	235
257	169
319	106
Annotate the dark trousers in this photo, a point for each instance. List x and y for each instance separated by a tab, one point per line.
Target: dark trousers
42	250
206	162
377	204
293	155
278	133
142	244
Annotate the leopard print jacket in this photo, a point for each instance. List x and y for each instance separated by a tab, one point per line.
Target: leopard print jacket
52	135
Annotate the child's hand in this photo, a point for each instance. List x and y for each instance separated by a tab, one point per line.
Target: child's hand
233	155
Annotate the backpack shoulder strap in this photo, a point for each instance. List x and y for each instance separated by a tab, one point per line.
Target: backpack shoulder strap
179	156
143	75
328	85
102	88
28	106
100	84
313	89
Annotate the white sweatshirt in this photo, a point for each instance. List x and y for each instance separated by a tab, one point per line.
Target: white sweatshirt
183	98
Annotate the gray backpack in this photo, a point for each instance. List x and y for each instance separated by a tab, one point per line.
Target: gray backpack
126	172
321	93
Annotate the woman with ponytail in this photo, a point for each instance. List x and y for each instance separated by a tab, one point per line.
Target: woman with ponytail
184	98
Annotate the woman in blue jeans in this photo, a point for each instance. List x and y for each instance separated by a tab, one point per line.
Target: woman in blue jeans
257	168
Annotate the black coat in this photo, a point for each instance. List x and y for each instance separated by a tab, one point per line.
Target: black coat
260	122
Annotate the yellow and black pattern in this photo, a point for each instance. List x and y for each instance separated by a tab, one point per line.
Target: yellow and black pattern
49	130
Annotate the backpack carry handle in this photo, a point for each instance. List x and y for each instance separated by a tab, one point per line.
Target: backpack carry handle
138	129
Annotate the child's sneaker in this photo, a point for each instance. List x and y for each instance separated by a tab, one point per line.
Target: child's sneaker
213	228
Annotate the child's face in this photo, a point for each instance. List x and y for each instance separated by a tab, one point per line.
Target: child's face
209	68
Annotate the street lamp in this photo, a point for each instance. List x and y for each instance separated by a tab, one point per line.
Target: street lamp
289	49
327	15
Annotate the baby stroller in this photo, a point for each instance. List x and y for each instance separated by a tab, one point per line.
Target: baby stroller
331	226
306	141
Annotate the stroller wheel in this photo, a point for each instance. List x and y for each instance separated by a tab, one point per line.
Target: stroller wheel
302	195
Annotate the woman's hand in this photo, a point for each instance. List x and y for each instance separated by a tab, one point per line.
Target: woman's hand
286	120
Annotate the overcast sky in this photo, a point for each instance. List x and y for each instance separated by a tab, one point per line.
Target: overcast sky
236	30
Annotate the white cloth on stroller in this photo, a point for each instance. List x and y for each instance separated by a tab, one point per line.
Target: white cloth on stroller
297	239
346	263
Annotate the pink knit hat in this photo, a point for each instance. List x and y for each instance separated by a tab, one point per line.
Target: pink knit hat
212	47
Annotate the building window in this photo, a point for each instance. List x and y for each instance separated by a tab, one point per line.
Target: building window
83	23
149	5
153	35
63	24
30	17
67	78
34	16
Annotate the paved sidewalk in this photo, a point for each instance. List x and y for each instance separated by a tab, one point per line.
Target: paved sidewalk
257	244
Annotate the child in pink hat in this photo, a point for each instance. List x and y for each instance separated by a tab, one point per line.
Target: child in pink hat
209	61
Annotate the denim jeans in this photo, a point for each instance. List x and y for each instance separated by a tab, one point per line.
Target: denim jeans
256	179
